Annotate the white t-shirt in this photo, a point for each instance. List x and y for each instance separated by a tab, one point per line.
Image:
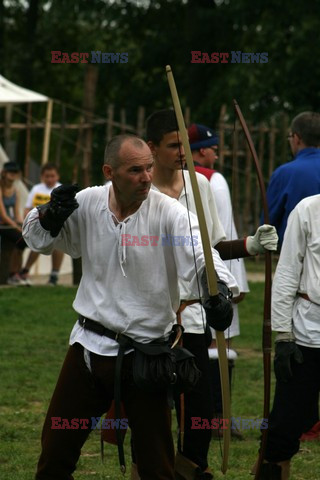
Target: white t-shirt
39	195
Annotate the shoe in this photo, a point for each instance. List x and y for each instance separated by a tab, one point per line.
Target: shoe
53	280
185	469
313	434
25	277
16	280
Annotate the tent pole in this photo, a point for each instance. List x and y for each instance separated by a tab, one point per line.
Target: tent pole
47	131
7	127
28	142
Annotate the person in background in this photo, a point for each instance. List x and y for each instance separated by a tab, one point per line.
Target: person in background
292	182
204	143
39	195
295	317
169	177
10	220
299	178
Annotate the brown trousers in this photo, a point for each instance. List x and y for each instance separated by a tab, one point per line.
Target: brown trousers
80	394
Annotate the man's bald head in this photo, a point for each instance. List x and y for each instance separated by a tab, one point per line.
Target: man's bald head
112	154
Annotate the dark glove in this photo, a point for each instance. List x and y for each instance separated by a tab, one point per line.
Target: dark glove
285	353
53	214
219	312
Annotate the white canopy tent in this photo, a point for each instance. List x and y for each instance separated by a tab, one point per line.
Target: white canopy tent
10	94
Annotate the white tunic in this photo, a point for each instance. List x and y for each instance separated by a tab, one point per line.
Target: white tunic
193	317
215	228
222	197
298	270
132	289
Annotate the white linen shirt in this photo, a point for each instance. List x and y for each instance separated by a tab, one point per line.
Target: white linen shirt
222	197
215	228
131	289
298	270
193	317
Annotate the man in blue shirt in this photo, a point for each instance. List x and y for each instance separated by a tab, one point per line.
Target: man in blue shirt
299	178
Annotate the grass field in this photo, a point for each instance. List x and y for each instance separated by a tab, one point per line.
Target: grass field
35	325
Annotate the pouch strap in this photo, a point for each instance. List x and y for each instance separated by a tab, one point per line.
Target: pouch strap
305	296
183	305
124	343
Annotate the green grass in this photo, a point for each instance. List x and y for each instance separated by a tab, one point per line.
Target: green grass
35	326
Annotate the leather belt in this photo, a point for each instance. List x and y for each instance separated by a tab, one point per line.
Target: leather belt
96	327
306	297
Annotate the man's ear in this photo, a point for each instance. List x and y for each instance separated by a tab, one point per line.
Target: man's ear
107	171
202	152
298	141
152	147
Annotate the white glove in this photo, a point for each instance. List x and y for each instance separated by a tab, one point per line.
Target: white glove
265	238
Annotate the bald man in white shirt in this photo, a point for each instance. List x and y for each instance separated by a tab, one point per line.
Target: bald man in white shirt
129	288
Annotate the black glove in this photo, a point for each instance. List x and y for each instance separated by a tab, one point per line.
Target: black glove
219	312
285	353
53	214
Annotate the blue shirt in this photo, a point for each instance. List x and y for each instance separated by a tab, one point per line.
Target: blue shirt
290	183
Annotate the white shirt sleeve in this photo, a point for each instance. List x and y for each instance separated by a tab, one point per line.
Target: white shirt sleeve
288	273
187	264
40	240
218	233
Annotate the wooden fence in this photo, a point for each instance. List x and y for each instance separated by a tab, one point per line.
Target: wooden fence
235	161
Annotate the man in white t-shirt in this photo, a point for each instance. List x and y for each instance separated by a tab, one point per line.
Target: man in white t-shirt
39	195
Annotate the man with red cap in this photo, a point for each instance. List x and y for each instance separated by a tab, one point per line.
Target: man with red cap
204	146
